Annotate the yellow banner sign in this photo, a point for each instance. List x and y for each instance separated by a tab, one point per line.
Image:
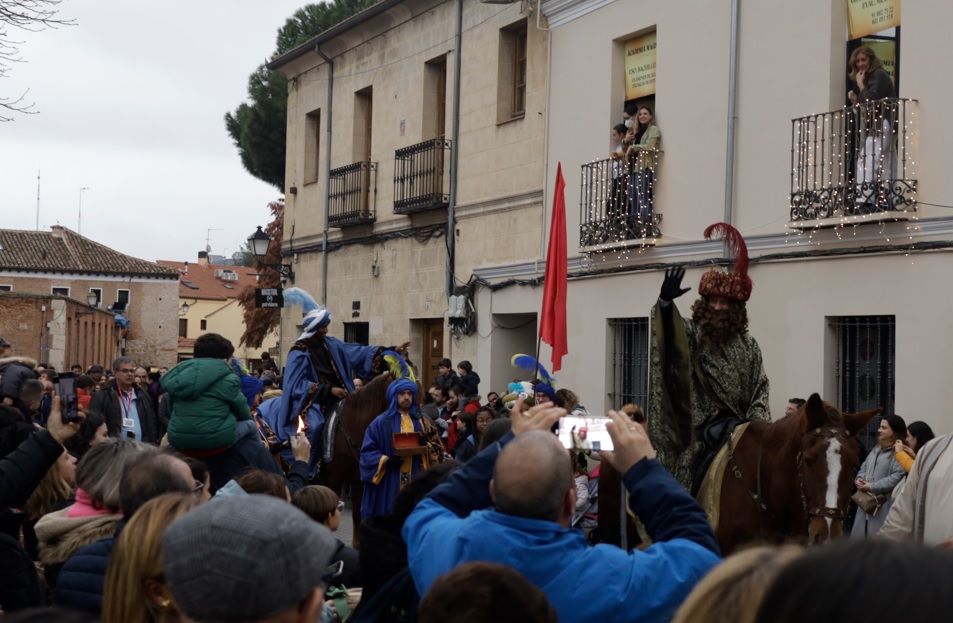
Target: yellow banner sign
886	51
640	66
865	17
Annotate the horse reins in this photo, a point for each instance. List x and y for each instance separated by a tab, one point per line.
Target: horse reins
824	512
757	496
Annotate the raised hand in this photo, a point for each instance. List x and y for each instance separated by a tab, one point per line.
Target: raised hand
672	285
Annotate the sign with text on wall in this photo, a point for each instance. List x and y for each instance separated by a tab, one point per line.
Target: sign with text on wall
269	298
640	66
865	17
886	51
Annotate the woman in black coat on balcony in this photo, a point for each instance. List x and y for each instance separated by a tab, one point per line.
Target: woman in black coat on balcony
875	162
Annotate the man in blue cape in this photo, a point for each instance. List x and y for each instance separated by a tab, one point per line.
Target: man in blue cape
319	372
383	472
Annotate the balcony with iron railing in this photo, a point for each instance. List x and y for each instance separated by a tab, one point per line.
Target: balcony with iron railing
352	193
421	177
617	202
854	164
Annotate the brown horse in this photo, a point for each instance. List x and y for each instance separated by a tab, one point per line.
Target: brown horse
789	479
358	411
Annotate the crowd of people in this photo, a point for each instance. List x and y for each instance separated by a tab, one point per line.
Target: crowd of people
206	505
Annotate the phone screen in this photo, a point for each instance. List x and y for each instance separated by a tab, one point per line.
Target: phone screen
66	390
584	433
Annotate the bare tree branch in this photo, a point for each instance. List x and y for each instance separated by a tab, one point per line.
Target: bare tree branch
29	16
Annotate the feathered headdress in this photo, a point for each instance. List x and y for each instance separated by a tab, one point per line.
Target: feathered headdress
403	378
315	316
735	285
544	383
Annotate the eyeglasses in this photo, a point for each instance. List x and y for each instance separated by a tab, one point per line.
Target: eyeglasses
126	370
198	487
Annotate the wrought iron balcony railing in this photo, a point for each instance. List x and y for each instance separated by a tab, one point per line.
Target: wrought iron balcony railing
421	176
854	161
617	200
351	201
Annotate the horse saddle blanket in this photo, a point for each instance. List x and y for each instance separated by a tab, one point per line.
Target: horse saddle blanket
331	422
709	493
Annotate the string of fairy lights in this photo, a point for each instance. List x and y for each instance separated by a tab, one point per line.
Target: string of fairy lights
618	204
849	167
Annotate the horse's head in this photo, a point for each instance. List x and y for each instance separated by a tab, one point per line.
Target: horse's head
827	463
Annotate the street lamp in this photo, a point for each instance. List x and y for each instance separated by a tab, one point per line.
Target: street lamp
258	243
184	309
92	299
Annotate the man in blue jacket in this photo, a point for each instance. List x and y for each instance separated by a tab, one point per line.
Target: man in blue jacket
528	477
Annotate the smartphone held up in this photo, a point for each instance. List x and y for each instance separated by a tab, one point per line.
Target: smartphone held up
66	390
584	433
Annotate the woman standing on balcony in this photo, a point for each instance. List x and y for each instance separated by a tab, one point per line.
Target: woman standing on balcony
615	207
642	166
875	162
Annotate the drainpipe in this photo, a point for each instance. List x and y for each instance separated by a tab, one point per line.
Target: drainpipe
455	151
327	176
732	96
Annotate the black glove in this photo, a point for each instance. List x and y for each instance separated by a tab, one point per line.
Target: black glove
672	285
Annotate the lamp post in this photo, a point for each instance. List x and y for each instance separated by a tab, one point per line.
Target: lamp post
79	223
258	243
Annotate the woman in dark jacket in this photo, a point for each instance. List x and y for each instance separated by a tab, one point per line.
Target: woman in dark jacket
875	161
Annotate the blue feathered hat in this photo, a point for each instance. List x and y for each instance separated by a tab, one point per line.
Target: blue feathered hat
315	316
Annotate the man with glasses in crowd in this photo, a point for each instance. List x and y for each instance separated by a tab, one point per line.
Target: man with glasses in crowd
127	409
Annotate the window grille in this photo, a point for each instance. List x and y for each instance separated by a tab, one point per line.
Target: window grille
630	361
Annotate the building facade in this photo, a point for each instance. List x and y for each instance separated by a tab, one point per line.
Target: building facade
849	298
139	294
208	303
382	156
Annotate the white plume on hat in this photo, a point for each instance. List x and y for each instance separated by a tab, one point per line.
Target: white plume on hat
315	316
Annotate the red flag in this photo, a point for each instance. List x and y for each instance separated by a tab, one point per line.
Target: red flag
552	327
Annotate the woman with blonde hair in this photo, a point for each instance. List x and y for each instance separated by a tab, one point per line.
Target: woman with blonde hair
135	591
53	493
732	592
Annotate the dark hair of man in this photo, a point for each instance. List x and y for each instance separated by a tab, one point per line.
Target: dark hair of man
531	477
620	128
444	363
418	488
198	468
812	588
495	431
267	483
212	346
466	366
122	361
79	444
631	109
494	592
84	381
457	390
443	391
798	402
30	390
148	475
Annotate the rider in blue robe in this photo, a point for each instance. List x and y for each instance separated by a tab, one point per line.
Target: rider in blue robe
319	372
384	474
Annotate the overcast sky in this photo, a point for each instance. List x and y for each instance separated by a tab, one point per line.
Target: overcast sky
131	103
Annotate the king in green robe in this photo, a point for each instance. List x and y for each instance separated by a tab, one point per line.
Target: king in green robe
704	368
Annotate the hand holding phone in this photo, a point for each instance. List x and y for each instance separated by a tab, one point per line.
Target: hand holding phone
66	390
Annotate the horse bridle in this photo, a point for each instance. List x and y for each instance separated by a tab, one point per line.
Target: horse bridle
823	512
757	497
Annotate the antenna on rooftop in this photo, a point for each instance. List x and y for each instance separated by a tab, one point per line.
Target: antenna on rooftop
38	198
208	238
